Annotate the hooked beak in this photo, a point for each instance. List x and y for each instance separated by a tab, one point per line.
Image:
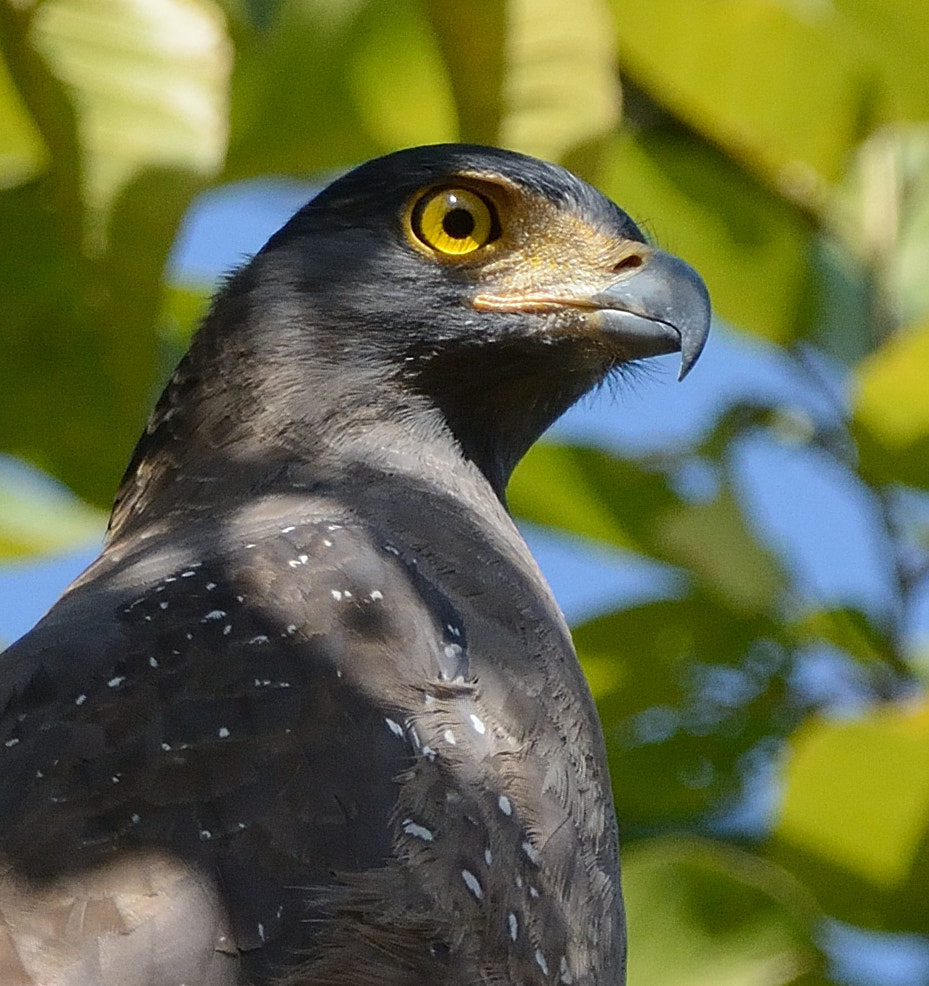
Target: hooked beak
661	307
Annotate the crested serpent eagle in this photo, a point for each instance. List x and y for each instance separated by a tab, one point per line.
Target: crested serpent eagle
313	715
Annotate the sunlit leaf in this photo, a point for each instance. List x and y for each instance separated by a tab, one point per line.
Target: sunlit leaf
149	80
893	400
594	494
854	822
895	36
560	90
538	76
403	101
588	492
719	63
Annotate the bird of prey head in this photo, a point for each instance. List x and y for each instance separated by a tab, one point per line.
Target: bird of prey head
447	287
313	714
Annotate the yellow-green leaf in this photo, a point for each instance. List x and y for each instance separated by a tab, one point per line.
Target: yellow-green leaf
403	101
561	90
588	492
473	38
849	629
719	64
893	396
538	76
854	822
891	409
857	793
22	150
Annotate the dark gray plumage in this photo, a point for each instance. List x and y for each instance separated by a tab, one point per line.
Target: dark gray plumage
314	713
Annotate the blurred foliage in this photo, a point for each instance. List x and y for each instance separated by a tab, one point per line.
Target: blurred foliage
782	146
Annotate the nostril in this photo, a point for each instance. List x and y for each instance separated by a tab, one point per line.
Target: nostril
630	262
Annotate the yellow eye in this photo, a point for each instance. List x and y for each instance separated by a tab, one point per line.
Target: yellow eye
454	221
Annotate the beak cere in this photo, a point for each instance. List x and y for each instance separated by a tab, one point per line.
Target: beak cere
661	307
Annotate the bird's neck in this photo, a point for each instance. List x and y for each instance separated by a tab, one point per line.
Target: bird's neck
497	404
266	400
216	440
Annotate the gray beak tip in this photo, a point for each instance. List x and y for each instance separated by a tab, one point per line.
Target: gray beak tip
694	332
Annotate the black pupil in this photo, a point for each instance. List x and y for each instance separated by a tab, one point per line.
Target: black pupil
458	223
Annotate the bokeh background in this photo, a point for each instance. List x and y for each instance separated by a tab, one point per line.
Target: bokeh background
744	556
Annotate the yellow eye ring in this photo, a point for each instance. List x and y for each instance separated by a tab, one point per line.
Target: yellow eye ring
454	221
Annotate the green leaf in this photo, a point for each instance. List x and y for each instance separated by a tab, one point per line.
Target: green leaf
184	307
597	495
473	39
854	823
894	37
538	76
891	410
849	629
685	689
332	83
880	212
706	914
783	87
589	492
711	540
376	76
47	101
81	354
561	91
52	390
402	101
